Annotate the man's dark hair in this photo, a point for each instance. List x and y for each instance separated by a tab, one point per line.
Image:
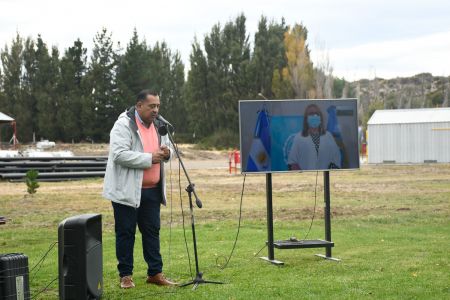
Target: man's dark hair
144	93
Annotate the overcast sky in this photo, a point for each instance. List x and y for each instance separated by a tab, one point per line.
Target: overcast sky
363	38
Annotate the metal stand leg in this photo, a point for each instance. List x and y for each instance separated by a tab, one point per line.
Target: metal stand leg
270	246
327	216
190	189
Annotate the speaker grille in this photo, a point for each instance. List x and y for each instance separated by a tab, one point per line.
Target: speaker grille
80	257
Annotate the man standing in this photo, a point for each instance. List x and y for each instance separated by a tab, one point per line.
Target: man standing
134	182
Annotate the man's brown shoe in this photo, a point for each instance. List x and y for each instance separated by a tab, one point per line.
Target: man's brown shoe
160	279
126	282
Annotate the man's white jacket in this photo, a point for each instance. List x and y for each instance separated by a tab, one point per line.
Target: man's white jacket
127	161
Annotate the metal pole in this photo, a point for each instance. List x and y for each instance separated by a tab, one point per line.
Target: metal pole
270	247
190	189
326	195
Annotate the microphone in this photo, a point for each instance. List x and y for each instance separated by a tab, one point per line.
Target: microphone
162	130
262	96
199	203
161	118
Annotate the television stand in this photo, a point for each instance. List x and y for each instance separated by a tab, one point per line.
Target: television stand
293	243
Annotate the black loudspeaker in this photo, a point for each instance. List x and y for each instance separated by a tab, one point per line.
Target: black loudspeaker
14	283
80	257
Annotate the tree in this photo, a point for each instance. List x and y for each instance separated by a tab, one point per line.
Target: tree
3	102
323	74
134	70
44	87
172	97
101	105
299	70
339	85
268	55
218	78
15	105
4	131
31	181
29	102
158	69
196	91
71	91
281	84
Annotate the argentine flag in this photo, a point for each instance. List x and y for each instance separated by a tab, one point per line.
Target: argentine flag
334	128
259	157
333	124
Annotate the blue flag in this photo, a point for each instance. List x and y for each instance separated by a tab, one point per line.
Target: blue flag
259	157
333	124
334	128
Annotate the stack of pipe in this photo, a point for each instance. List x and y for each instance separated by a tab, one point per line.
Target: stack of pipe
53	168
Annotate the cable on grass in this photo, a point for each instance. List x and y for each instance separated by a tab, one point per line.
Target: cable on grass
265	245
227	260
41	261
182	214
44	289
315	205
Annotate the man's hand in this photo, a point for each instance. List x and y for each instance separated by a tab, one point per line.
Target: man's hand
166	151
157	156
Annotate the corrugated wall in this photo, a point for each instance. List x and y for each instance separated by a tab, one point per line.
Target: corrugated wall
409	143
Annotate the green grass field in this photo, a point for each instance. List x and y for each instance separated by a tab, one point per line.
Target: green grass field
390	226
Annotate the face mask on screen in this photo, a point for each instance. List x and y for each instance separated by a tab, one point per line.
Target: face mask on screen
314	121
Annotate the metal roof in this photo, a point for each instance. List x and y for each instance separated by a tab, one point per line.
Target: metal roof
5	118
410	116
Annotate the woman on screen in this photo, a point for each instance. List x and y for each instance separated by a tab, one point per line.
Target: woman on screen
314	148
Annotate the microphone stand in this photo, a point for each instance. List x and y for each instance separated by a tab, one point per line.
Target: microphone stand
190	189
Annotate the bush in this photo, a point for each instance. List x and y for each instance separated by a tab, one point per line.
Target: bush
31	181
183	138
222	139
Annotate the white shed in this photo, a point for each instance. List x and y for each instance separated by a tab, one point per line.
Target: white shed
409	136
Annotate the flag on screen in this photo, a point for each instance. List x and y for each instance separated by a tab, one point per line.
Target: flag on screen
334	128
333	124
259	157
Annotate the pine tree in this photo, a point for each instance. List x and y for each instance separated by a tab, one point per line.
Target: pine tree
30	114
31	181
133	73
222	77
174	106
157	69
4	131
101	105
15	105
70	88
268	54
196	93
40	83
169	83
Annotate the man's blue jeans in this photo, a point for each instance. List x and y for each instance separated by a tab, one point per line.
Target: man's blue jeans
147	217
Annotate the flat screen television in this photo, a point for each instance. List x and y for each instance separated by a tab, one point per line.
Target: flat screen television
298	135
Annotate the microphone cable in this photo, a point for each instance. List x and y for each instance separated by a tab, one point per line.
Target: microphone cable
171	213
314	211
38	265
265	245
227	260
45	288
312	219
41	261
182	214
175	145
182	211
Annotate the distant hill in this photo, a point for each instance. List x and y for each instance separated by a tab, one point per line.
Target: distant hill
419	91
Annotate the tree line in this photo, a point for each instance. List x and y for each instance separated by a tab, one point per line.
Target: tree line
71	96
